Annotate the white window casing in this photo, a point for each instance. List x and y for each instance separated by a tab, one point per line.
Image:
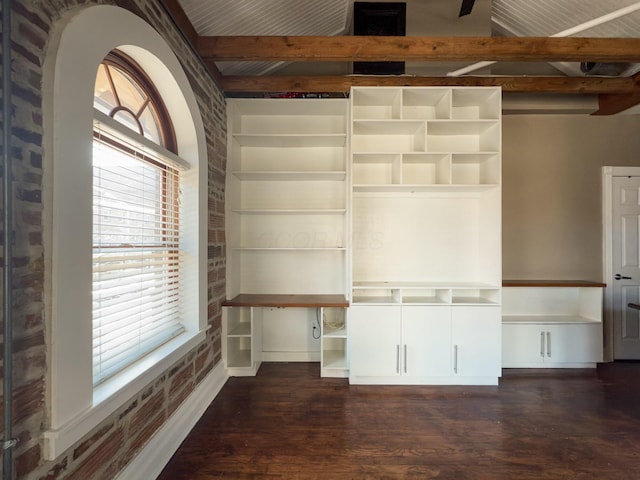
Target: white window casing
75	406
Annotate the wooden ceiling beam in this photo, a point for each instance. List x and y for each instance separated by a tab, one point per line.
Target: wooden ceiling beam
612	103
337	84
431	49
182	21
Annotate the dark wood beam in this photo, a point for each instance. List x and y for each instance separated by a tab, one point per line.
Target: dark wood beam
433	49
182	21
333	84
612	103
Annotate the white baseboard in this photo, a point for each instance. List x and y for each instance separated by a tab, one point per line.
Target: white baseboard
164	443
313	356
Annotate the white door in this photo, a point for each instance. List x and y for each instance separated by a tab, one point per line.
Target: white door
426	341
374	341
626	267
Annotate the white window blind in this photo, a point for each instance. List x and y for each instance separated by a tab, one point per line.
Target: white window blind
136	255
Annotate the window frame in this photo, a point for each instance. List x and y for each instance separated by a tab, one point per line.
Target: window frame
119	141
75	408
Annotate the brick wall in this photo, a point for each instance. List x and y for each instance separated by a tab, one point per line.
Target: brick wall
107	449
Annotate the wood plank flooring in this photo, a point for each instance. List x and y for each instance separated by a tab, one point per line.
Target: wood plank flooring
537	424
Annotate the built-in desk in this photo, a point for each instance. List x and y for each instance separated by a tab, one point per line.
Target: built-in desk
283	300
243	330
551	323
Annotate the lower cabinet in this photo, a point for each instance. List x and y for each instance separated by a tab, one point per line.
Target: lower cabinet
551	324
552	346
405	344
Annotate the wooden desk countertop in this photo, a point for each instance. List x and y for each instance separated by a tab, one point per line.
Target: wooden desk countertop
284	300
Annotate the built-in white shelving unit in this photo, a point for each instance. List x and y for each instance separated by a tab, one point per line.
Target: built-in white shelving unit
334	359
552	324
287	197
242	332
388	204
426	235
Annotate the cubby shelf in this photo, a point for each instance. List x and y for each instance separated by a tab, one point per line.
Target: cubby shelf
425	293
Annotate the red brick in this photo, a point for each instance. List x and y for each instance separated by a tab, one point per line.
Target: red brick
147	432
102	455
145	412
177	401
89	442
28	400
57	470
181	379
201	360
27	461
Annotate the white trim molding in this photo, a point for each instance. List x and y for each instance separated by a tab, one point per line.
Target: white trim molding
74	406
158	451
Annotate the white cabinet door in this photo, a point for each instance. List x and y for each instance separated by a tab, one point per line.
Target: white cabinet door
523	345
375	343
545	345
476	336
426	341
573	343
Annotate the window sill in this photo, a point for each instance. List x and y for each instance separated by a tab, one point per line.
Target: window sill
115	393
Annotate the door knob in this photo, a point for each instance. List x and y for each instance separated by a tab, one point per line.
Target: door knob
620	277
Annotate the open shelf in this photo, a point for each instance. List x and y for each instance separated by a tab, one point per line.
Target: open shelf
475	104
371	103
291	140
290	211
334	359
426	103
464	136
370	136
239	352
424	170
427	293
292	176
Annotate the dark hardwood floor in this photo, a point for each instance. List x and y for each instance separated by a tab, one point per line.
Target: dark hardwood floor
538	424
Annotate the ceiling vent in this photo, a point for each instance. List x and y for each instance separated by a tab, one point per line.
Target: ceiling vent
603	69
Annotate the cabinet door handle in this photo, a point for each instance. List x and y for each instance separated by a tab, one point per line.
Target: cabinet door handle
455	359
398	358
548	344
542	344
405	358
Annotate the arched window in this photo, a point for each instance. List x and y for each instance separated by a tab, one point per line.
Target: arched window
128	218
125	93
136	220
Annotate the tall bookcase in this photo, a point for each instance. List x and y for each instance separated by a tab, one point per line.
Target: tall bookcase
426	249
287	210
